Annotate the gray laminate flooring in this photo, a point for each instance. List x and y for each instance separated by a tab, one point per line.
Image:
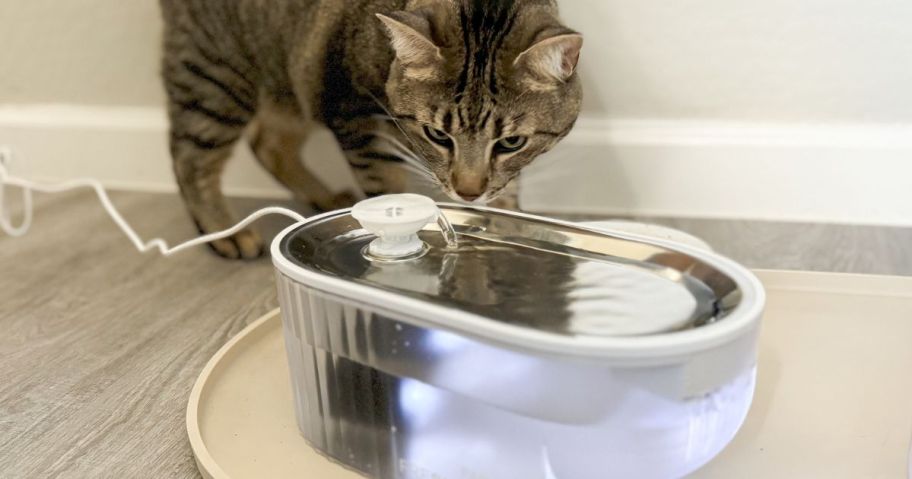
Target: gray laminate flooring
858	249
99	345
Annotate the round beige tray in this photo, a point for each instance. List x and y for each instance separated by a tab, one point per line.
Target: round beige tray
240	416
832	399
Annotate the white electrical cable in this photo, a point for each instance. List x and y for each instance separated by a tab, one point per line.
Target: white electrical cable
28	187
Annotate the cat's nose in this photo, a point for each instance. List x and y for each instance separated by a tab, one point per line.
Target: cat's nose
468	196
468	186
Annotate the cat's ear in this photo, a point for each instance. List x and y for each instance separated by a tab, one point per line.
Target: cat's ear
411	39
552	60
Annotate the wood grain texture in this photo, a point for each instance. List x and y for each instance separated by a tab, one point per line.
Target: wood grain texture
100	346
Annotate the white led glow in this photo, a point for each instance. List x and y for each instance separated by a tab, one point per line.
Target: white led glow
442	342
646	436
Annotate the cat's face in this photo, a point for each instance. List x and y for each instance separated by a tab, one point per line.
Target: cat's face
481	89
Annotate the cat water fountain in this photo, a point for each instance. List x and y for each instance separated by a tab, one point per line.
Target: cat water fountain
529	348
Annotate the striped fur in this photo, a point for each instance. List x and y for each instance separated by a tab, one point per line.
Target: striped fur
468	72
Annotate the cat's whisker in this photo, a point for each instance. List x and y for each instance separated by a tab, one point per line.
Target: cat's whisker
397	143
402	150
393	118
394	142
420	177
406	153
424	179
411	162
405	134
413	165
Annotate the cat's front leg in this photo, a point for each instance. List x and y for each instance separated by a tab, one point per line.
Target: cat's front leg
277	137
205	123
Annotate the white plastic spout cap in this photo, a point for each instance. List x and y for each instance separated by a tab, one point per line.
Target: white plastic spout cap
396	221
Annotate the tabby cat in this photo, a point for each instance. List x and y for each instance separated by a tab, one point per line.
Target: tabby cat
464	93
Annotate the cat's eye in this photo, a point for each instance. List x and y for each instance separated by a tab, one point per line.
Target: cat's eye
511	144
438	137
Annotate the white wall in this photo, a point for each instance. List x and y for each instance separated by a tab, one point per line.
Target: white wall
798	109
750	60
98	52
829	61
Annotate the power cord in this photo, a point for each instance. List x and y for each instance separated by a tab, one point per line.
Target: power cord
28	187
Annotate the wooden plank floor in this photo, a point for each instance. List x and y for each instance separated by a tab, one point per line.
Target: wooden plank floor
99	346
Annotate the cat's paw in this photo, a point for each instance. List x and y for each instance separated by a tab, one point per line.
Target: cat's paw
346	199
245	245
340	201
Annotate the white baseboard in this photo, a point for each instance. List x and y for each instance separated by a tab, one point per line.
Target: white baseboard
838	174
124	148
828	173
